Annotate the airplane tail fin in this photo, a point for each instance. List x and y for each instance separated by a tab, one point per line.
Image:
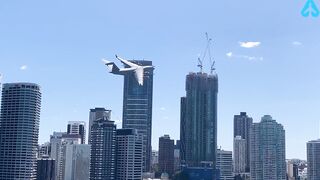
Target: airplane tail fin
113	68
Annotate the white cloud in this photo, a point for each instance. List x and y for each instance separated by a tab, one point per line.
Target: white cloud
23	67
162	108
239	56
229	54
297	43
249	44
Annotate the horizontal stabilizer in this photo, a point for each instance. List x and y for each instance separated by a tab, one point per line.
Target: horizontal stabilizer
113	68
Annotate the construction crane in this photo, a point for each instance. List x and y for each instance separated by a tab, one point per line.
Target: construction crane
206	52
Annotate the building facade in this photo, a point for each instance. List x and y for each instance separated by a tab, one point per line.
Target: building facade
177	156
199	120
267	153
129	156
44	150
166	155
103	150
241	127
224	164
137	108
95	114
183	124
56	151
77	162
78	128
46	168
313	158
239	155
19	130
292	170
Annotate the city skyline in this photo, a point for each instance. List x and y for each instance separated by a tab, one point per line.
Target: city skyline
62	53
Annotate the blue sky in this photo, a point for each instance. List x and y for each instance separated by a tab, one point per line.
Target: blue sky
59	45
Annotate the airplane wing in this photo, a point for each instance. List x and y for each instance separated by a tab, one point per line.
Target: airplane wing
127	62
139	75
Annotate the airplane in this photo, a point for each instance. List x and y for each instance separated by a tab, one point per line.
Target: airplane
137	69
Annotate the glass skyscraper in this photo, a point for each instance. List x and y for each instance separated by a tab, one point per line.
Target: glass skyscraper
199	120
268	150
137	108
313	157
19	130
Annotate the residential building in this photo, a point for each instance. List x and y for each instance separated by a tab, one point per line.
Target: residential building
19	130
267	150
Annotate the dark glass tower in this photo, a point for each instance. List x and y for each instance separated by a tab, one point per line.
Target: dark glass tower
103	150
19	130
242	127
137	108
199	120
166	155
46	169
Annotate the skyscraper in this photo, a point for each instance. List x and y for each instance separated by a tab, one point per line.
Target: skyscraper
166	155
103	150
241	127
79	128
199	119
267	153
19	130
137	100
95	114
137	108
239	155
129	155
313	157
224	164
